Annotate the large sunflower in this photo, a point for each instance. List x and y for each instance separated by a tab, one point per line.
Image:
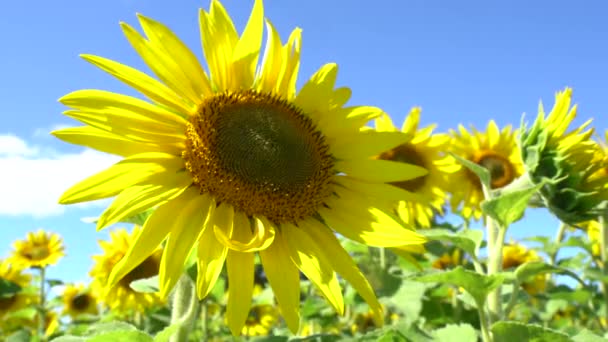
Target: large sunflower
571	165
78	301
39	249
121	297
238	163
10	272
496	150
427	150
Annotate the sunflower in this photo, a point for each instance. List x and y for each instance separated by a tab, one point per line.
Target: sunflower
496	150
592	228
260	321
514	255
427	150
570	165
78	301
39	249
121	297
236	162
449	260
11	303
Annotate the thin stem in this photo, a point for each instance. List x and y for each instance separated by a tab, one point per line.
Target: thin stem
513	300
559	236
183	308
204	323
382	258
483	322
42	309
495	264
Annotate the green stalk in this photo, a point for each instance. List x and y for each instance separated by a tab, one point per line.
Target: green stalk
42	309
558	239
483	322
495	264
183	308
603	220
204	323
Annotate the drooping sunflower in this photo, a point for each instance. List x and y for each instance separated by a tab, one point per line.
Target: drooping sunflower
570	165
39	249
496	150
262	318
121	297
79	300
514	255
14	274
427	150
236	162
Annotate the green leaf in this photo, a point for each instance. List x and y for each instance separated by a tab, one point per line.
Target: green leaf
478	285
509	207
480	171
69	338
528	270
587	336
166	333
54	282
408	300
8	288
146	285
139	219
102	328
468	240
20	336
455	333
516	331
121	335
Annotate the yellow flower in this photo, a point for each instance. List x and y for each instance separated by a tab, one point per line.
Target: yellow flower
260	321
593	232
10	272
447	260
496	150
39	249
78	301
572	165
514	255
121	297
427	194
237	162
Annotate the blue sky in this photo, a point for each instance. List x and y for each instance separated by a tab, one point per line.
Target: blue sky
463	62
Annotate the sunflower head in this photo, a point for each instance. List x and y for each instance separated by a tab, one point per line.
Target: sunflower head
514	255
571	164
39	249
120	297
496	150
262	318
427	150
78	301
237	162
449	260
19	300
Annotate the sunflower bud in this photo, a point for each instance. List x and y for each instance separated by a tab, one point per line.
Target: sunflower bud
571	164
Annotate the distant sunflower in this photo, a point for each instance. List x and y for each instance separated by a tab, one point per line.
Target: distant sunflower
237	162
514	255
14	274
449	260
262	318
427	150
571	164
496	150
78	301
593	233
121	297
39	249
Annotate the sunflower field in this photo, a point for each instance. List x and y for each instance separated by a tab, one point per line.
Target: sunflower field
245	208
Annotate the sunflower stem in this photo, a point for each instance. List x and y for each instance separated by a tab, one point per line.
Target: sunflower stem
559	236
382	258
484	324
496	234
204	323
42	309
603	220
183	308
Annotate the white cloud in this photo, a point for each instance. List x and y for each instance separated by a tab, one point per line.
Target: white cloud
31	182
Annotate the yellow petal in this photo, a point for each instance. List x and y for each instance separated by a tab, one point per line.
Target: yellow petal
311	260
291	63
284	278
344	265
367	144
136	199
315	95
163	66
384	123
240	237
380	191
185	232
147	239
110	143
247	50
240	277
130	171
271	62
143	83
410	124
379	171
163	38
211	256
